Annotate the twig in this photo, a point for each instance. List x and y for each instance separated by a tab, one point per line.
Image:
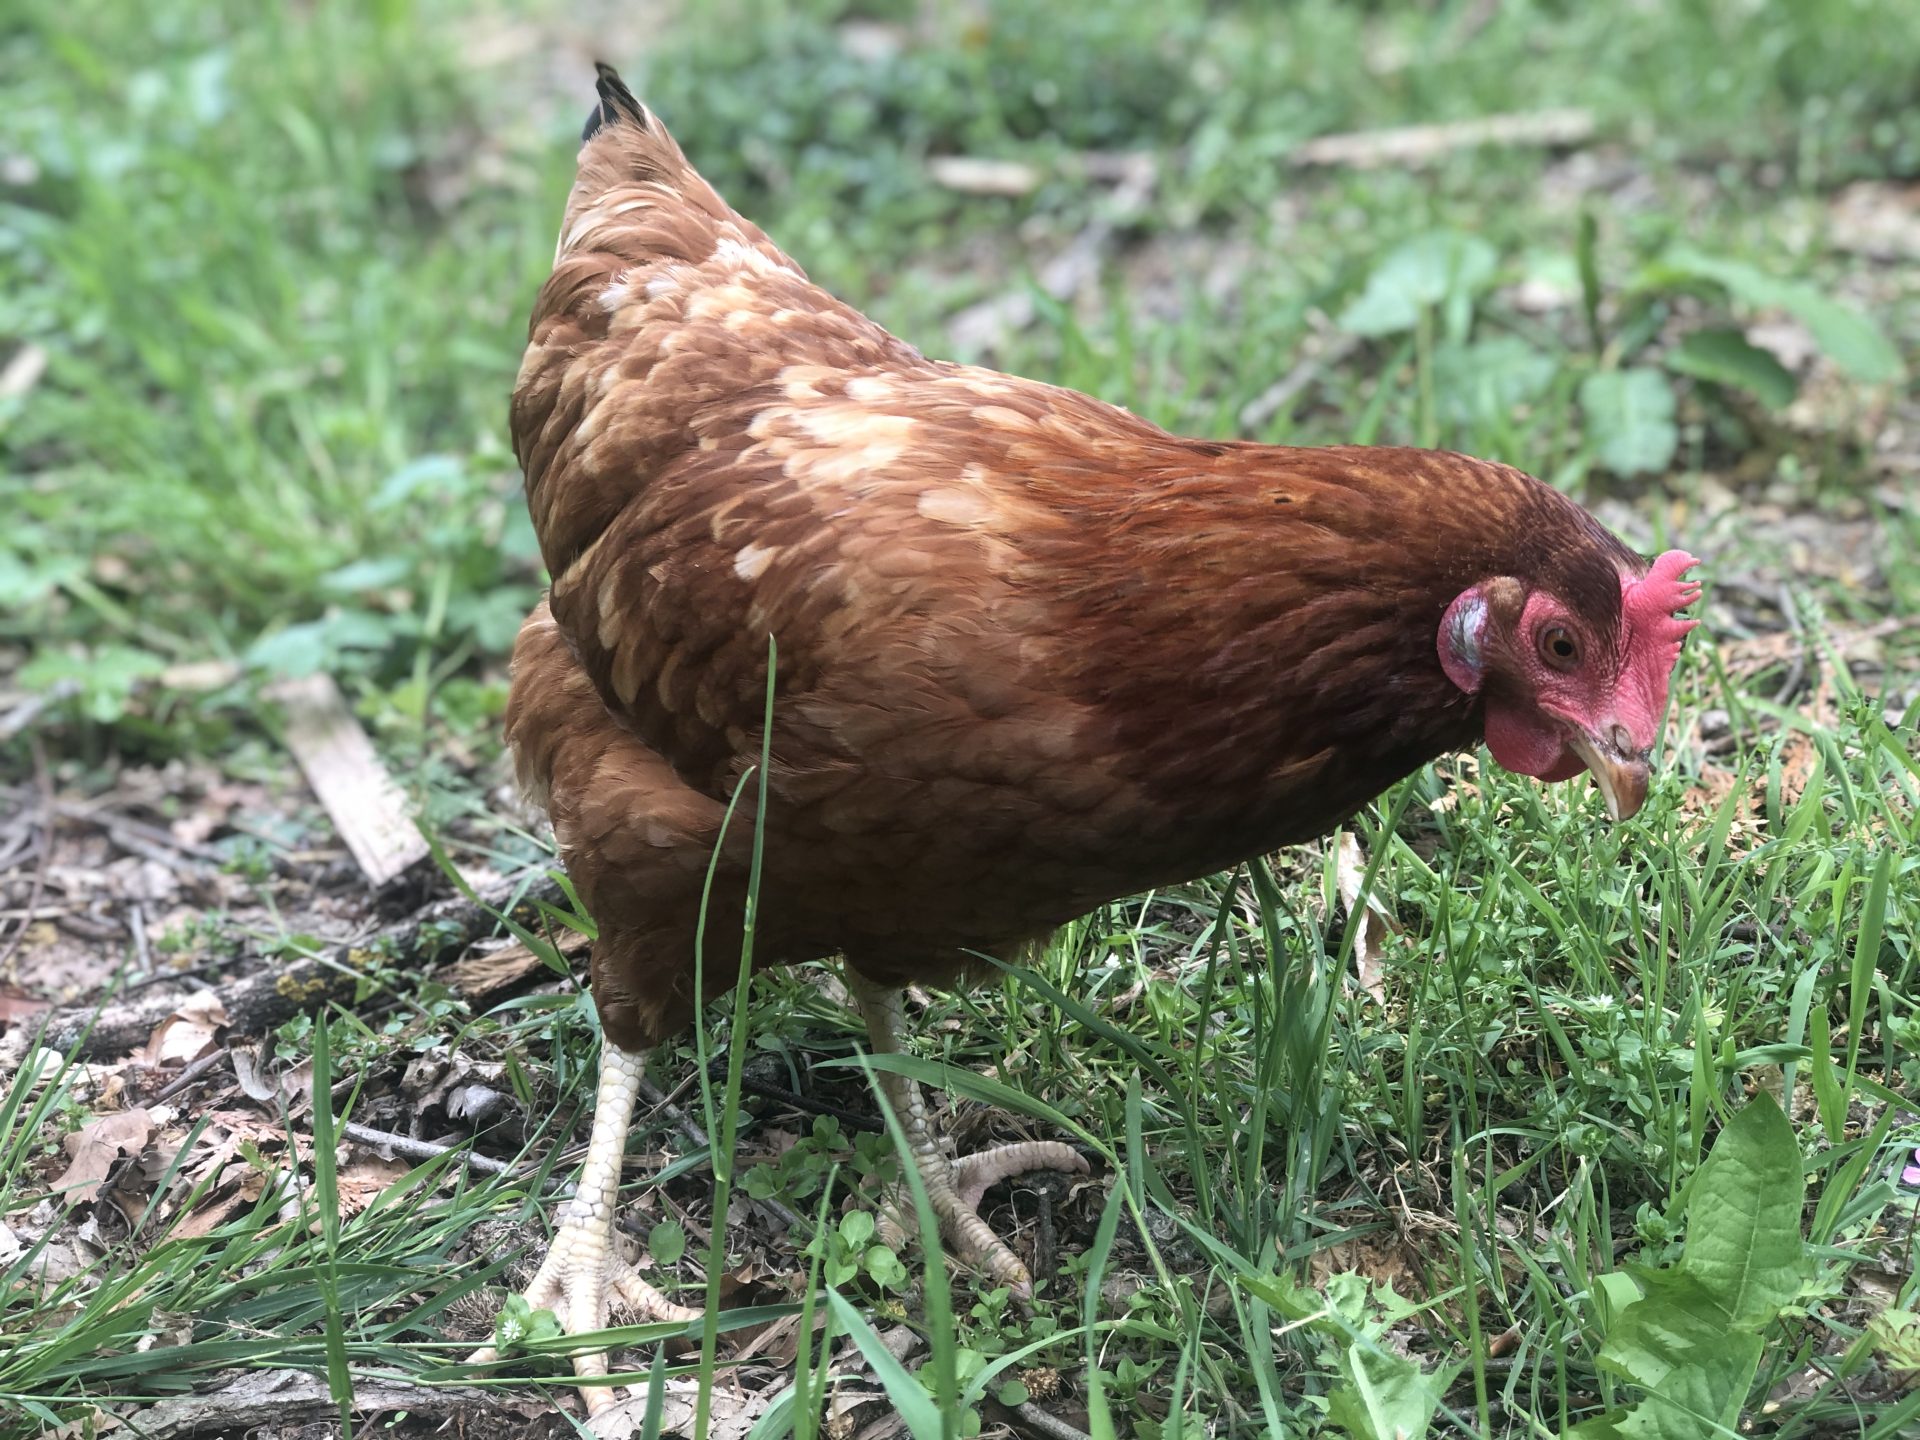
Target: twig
1422	144
39	912
116	824
186	1077
766	1090
190	972
990	322
275	995
1045	1422
983	175
149	842
420	1151
142	947
1046	1257
21	839
1279	396
684	1123
43	779
101	932
28	710
274	1399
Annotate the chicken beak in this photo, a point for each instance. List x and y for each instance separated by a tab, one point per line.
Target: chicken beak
1621	774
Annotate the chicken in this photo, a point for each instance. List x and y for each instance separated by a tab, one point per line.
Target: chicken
1030	652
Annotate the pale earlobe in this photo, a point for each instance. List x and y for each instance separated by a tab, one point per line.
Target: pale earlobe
1462	641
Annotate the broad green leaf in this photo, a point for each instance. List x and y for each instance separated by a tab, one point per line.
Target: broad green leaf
315	645
1616	1292
885	1268
1677	1324
1692	1341
667	1242
1445	267
1629	417
104	678
1743	1217
1847	337
26	577
1727	357
1676	1345
1895	1335
370	572
1490	379
1385	1396
428	475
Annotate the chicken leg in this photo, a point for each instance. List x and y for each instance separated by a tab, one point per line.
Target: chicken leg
582	1272
955	1187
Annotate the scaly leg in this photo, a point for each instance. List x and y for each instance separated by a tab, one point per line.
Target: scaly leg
955	1188
582	1270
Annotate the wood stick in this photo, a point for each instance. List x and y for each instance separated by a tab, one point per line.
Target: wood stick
1045	1423
276	1398
1422	144
420	1151
368	808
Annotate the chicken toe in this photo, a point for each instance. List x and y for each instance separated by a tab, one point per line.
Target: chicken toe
583	1273
955	1187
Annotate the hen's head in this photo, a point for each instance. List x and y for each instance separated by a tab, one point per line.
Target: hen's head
1567	689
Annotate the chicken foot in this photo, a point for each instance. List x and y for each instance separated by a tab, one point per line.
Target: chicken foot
583	1272
955	1187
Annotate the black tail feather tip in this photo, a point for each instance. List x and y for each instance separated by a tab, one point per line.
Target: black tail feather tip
617	102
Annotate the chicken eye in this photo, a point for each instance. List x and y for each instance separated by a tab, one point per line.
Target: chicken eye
1558	647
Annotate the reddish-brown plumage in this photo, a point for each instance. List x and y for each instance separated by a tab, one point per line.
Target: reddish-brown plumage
1033	652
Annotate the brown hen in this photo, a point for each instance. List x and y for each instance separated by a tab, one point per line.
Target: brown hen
1033	653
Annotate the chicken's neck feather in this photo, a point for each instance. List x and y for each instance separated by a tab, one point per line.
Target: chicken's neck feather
1256	626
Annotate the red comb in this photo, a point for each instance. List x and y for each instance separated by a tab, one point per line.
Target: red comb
1652	636
1648	605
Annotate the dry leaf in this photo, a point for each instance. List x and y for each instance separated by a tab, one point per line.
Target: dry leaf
1877	218
363	1180
735	1411
1387	1260
96	1146
249	1066
188	1033
495	970
94	1423
451	1084
216	1209
1370	935
17	1005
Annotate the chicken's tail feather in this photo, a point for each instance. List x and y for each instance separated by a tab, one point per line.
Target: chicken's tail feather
617	103
637	203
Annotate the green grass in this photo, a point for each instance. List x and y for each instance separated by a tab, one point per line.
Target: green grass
279	262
